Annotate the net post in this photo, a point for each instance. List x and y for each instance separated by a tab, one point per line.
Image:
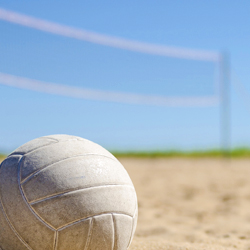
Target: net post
225	118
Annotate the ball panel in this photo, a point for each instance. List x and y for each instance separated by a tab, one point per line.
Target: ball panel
123	230
135	217
35	233
75	173
8	239
75	235
56	152
63	137
102	234
33	145
87	203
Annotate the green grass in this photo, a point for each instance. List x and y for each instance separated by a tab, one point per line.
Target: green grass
2	157
237	152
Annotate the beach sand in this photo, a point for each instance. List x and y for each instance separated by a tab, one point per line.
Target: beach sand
191	204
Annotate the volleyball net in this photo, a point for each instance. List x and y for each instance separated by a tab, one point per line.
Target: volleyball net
92	37
140	67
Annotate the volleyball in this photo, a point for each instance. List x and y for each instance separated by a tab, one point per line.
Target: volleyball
64	192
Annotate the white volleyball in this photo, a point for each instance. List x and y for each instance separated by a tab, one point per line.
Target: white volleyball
64	192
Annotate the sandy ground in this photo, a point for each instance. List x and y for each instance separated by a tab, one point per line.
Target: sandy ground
191	204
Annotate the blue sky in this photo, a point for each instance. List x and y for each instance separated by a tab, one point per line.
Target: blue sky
208	25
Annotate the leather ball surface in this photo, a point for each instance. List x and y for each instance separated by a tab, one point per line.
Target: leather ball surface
64	192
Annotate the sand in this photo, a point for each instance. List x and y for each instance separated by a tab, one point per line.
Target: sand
191	204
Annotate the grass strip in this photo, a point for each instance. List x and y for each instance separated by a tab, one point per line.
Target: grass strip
2	157
235	153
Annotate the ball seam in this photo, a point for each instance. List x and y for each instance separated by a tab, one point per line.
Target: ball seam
32	150
26	201
64	159
90	217
89	235
9	222
75	191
